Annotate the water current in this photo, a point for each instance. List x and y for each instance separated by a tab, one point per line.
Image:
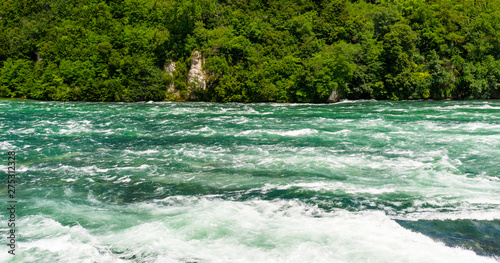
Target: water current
364	181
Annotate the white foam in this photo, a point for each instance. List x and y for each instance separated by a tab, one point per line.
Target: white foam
473	214
473	126
205	131
146	152
76	127
375	191
211	230
293	133
7	146
22	131
343	132
49	240
353	101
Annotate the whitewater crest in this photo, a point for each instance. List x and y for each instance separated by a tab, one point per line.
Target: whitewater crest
187	229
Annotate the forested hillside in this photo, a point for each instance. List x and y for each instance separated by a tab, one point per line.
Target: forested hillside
254	50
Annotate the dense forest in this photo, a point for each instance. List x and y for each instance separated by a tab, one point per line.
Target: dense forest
253	50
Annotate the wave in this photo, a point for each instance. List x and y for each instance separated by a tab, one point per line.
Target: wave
189	229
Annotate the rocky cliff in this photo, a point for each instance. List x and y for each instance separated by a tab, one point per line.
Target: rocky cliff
196	77
334	97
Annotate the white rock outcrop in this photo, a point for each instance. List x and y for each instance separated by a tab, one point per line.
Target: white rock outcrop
196	77
334	97
170	68
38	58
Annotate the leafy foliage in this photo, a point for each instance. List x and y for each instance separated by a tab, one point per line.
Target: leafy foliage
272	50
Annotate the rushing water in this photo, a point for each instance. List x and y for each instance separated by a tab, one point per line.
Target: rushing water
361	181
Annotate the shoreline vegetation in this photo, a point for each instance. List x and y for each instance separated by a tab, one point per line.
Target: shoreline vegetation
249	51
341	101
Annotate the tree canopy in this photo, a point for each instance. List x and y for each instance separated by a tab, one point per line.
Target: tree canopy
254	50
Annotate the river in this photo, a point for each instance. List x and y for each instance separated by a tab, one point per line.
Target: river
356	181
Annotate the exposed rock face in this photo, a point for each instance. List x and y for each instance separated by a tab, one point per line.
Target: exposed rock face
196	77
38	58
334	97
170	68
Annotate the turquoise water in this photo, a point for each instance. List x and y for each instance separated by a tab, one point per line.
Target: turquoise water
364	181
